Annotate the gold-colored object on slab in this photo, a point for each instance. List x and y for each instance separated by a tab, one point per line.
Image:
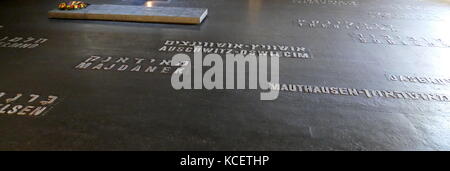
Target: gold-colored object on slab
72	5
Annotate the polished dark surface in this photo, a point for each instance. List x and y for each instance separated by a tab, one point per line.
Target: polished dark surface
141	111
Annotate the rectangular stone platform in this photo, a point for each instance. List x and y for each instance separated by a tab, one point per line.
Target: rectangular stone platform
134	13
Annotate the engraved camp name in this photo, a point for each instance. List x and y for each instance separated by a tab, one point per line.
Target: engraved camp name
344	25
21	42
128	64
415	79
368	93
403	16
405	7
23	104
410	7
236	48
389	39
327	2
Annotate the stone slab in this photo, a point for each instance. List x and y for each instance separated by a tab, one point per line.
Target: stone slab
134	13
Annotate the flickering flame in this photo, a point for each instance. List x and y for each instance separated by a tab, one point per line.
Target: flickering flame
149	4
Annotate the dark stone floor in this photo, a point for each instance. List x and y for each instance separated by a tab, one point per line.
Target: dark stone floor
390	46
